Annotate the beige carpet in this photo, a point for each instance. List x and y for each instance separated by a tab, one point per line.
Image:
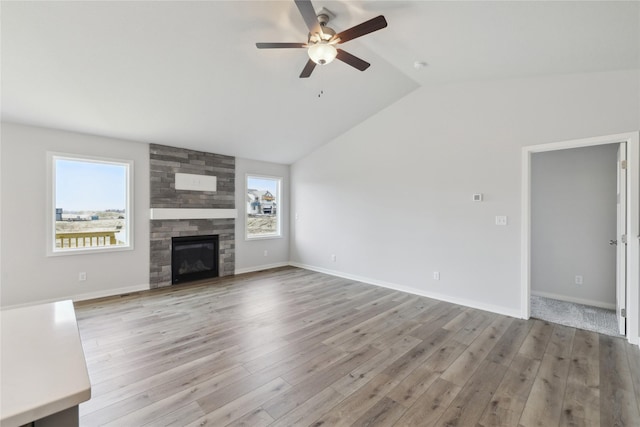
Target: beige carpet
580	316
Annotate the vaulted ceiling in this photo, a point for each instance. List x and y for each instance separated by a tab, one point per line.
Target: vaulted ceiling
187	73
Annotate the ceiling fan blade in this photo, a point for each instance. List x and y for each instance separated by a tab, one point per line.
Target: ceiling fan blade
354	61
279	45
309	15
366	27
308	69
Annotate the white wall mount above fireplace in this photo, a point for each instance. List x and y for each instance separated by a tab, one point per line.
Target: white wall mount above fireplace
192	213
189	181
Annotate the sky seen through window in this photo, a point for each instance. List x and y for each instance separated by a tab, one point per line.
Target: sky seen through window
90	186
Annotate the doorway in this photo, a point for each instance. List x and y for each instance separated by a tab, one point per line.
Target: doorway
573	222
631	302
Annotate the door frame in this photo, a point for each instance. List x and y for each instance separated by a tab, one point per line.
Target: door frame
633	221
621	229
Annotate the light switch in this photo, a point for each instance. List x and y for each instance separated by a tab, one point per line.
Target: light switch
501	220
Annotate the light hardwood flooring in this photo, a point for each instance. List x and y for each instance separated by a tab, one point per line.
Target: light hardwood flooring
291	347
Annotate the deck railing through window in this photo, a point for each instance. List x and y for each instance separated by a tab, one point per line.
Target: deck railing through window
85	239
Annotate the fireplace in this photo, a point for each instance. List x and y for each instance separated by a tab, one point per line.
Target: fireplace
194	258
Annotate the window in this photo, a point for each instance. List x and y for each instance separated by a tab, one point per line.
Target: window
263	207
91	210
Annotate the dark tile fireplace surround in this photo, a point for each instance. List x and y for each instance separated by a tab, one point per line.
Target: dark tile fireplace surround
165	163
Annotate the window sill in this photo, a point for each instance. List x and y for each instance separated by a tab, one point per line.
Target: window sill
265	237
89	251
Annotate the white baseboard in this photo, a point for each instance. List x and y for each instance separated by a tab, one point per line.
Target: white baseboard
85	296
447	298
261	267
111	292
583	301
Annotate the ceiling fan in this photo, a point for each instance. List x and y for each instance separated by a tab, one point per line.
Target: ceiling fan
322	40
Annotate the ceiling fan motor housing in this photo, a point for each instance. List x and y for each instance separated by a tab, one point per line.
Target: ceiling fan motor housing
326	35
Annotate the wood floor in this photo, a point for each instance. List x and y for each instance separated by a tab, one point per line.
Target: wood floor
290	347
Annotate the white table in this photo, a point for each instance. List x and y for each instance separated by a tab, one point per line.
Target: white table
43	372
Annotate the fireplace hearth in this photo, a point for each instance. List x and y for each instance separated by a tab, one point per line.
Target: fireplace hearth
194	258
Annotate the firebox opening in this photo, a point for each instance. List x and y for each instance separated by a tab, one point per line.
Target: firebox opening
194	258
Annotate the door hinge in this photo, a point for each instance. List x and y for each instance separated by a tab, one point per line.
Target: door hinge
623	239
623	312
623	164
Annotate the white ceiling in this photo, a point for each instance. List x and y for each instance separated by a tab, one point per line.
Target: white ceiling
187	73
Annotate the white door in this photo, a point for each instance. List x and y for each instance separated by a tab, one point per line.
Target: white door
621	240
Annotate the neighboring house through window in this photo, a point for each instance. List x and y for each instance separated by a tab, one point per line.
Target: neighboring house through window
263	206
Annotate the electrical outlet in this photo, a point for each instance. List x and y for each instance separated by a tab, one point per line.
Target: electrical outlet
333	257
579	280
501	220
436	275
82	276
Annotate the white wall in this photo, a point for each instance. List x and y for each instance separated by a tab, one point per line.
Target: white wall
28	275
573	217
392	197
250	253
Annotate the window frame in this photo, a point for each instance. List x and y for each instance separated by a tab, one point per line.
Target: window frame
278	234
51	249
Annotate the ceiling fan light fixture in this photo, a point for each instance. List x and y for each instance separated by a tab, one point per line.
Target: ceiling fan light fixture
322	53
